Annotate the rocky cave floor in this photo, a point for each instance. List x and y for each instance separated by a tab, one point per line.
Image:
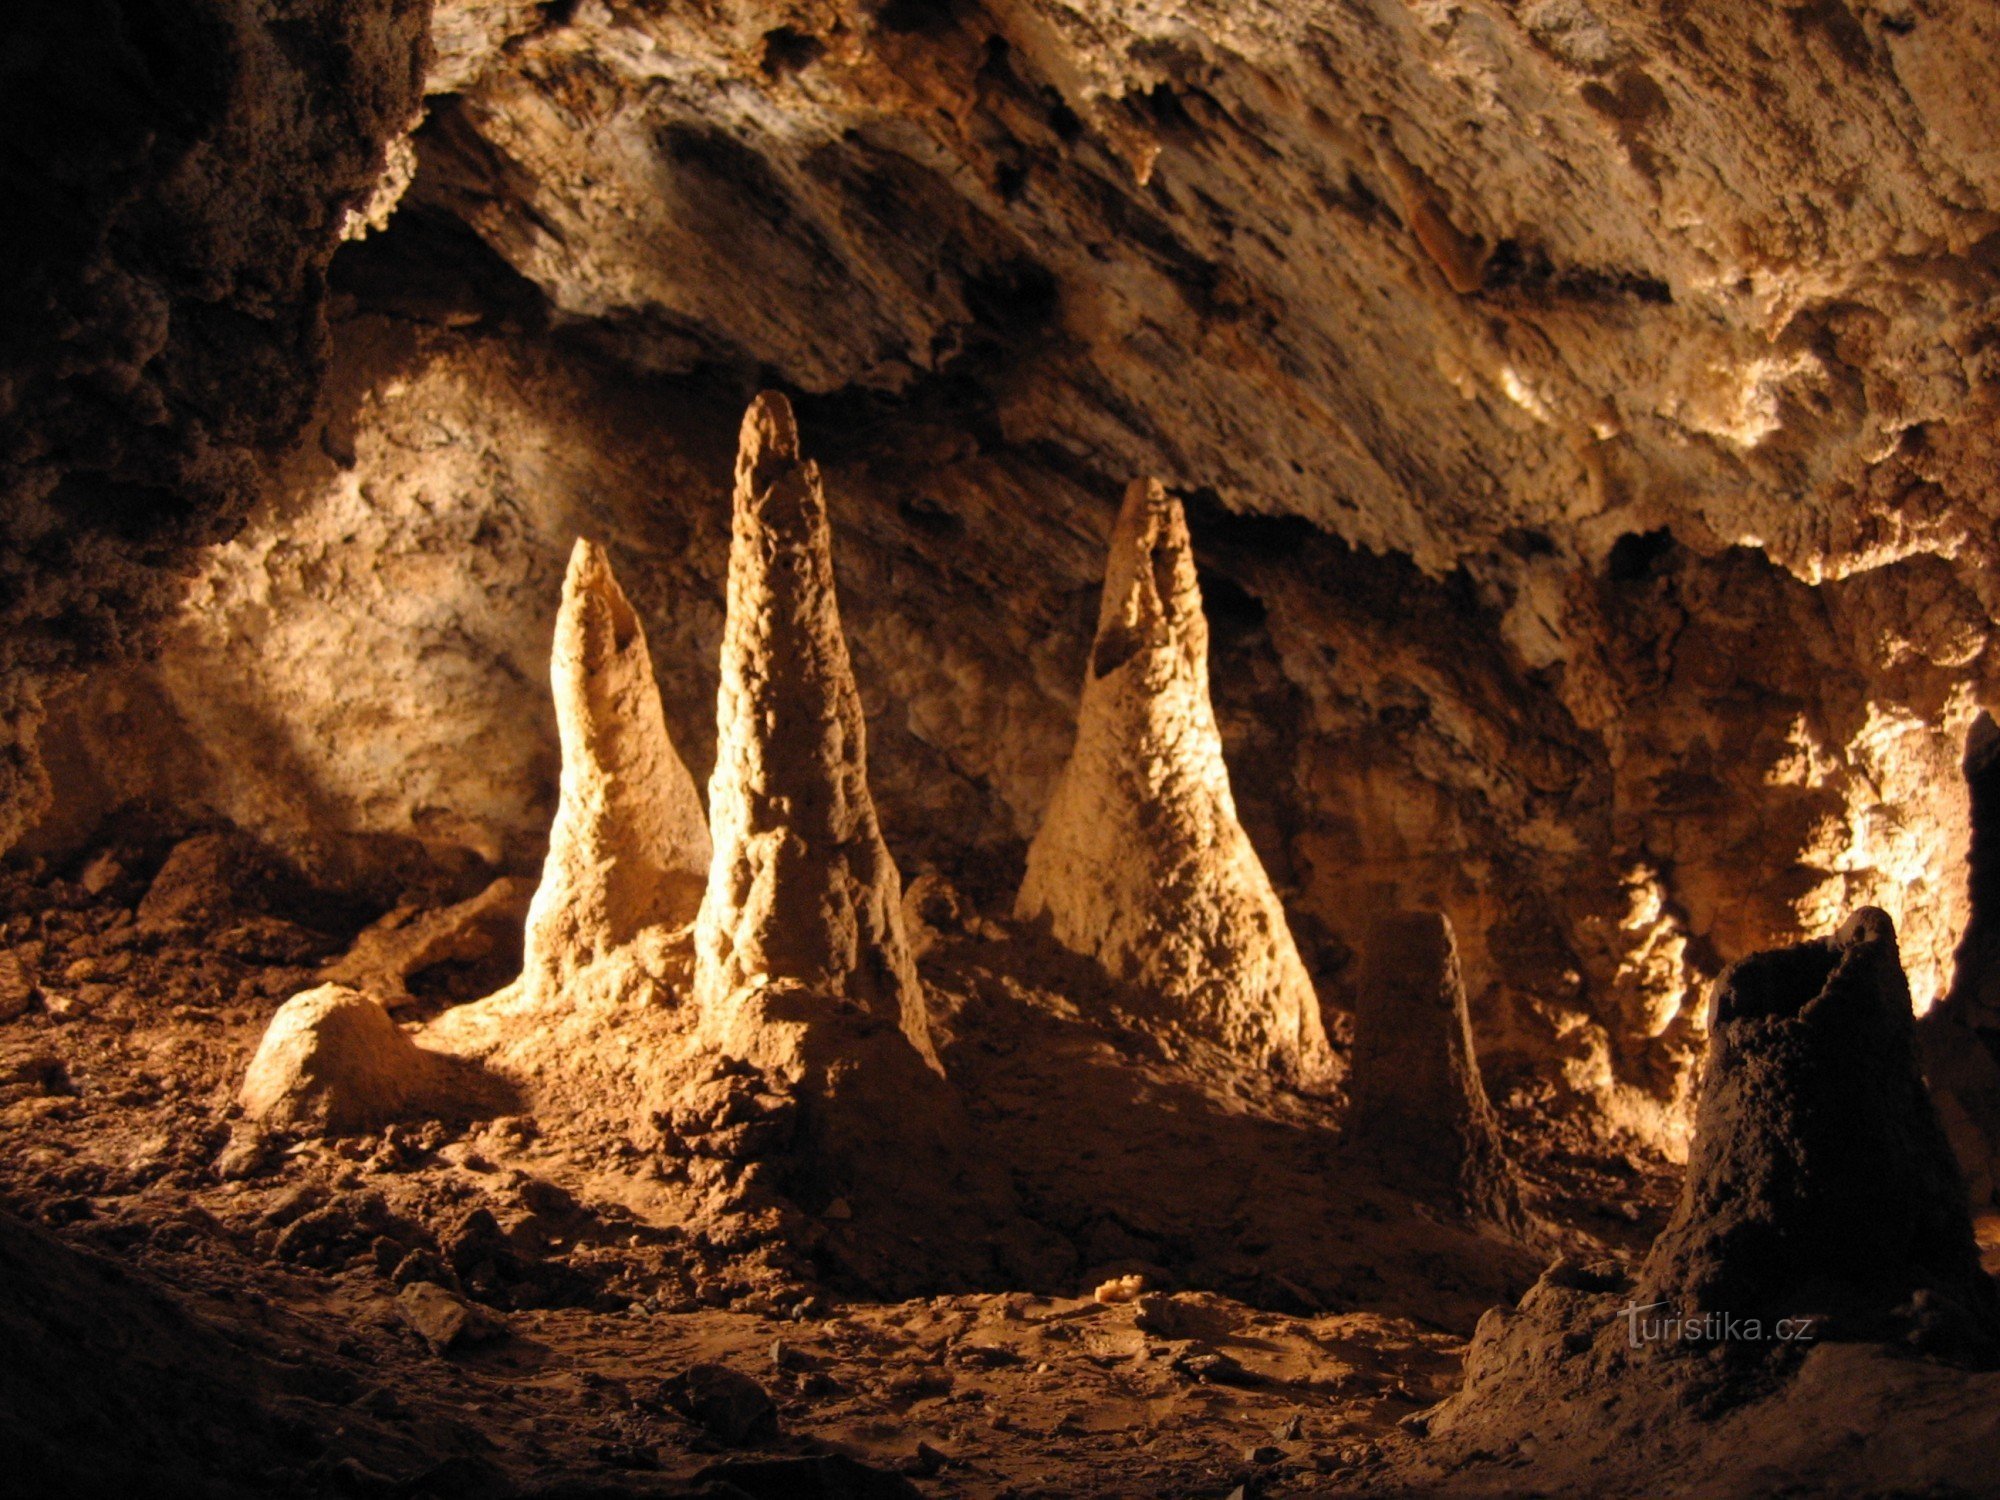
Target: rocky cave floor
1295	1311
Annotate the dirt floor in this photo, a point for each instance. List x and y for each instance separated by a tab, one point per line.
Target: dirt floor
1293	1311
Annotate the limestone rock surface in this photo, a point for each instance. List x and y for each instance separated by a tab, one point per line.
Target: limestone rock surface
1585	413
333	1062
803	887
1141	861
629	848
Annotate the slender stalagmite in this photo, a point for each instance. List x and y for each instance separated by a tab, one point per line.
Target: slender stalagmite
1420	1113
1140	861
629	848
802	888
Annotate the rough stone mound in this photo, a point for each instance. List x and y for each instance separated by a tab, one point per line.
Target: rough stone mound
629	847
216	877
1140	861
1419	1112
1821	1209
1821	1183
333	1062
802	886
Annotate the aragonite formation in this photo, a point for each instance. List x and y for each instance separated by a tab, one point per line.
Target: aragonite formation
1140	861
802	888
629	849
1419	1112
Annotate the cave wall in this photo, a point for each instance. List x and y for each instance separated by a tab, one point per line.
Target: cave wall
1584	413
177	177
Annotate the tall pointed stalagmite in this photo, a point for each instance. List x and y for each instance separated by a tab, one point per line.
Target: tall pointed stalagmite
802	887
1420	1113
1140	861
629	848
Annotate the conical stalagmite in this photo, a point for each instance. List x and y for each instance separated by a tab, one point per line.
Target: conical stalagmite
1419	1111
1140	861
629	848
802	887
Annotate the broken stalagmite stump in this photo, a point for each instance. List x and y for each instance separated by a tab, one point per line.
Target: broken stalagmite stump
802	887
1140	861
629	848
333	1061
1420	1113
1821	1183
1821	1205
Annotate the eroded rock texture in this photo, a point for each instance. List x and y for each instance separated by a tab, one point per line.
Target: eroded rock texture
177	180
629	849
1584	413
802	887
1821	1184
1140	861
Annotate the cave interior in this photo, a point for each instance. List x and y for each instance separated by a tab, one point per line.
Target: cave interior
1000	748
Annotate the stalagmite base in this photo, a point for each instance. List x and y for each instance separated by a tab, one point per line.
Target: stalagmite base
802	887
1140	861
629	849
805	984
590	1020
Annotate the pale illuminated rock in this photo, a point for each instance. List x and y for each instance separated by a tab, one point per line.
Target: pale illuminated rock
332	1061
629	849
1140	861
802	887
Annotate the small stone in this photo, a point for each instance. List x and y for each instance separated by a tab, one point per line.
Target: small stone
102	873
250	1153
332	1061
1263	1454
1120	1289
64	1007
840	1209
17	986
444	1320
724	1403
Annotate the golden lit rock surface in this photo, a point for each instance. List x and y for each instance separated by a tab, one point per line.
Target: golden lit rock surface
333	1061
1140	861
629	849
803	887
